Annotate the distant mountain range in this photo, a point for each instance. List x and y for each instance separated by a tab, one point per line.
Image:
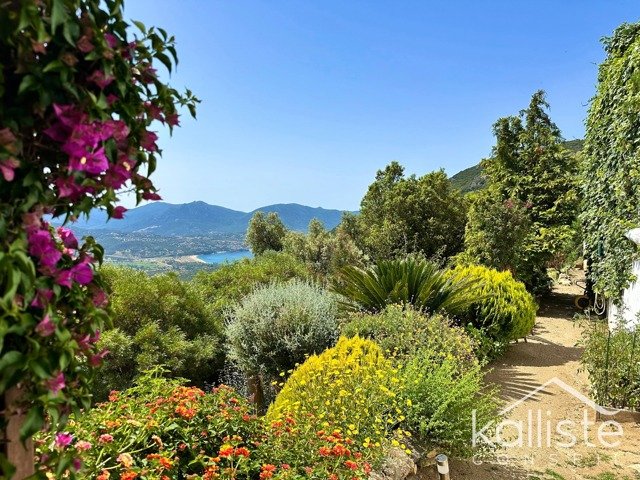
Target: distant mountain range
472	179
200	218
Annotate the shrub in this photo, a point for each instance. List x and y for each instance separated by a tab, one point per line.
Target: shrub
418	283
503	311
278	325
611	360
440	400
158	320
351	389
405	331
228	284
163	429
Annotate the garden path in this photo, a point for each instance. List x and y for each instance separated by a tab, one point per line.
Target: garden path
551	351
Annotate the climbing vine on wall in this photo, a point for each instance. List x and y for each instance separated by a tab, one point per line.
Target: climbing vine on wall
611	167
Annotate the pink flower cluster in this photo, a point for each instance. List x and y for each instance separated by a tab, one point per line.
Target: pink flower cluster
83	140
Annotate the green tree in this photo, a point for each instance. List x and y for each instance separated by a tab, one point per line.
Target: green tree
324	252
531	166
401	215
610	173
496	232
265	232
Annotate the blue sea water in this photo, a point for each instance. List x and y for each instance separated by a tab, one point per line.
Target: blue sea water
222	257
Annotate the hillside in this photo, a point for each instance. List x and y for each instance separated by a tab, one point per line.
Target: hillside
471	179
200	218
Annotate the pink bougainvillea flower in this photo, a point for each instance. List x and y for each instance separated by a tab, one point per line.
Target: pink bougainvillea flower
101	79
63	439
7	137
56	383
68	188
46	327
118	212
111	40
43	247
148	141
172	119
69	240
87	341
120	129
82	273
97	359
32	221
68	115
84	44
93	163
7	167
42	298
64	278
151	196
154	111
111	99
100	298
118	174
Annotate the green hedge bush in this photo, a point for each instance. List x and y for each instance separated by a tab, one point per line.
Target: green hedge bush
403	331
157	320
503	309
441	400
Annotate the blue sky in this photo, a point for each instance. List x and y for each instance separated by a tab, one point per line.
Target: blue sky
302	101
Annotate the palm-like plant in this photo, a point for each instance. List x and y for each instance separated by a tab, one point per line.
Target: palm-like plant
418	283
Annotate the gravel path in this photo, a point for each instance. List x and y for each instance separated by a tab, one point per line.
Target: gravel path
551	352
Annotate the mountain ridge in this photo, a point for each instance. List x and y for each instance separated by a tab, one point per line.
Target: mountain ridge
200	218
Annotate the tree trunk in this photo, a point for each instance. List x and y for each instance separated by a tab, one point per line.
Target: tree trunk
256	393
20	454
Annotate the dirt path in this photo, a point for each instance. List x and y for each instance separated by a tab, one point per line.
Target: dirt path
551	352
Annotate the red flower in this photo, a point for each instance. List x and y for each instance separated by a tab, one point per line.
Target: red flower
350	464
242	452
226	451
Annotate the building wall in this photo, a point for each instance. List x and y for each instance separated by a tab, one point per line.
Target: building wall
630	303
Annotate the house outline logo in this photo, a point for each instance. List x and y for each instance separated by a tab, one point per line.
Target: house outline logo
567	388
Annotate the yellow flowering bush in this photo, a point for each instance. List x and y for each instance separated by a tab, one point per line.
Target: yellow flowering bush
345	398
503	309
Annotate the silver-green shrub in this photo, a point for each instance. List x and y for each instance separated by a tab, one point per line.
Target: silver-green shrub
278	325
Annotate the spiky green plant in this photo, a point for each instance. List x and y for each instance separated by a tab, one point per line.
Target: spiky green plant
418	283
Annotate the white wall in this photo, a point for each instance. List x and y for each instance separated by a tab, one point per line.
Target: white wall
631	296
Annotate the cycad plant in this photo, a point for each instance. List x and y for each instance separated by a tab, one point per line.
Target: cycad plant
418	283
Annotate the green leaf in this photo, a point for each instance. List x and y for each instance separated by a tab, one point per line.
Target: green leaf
33	423
140	26
165	60
27	83
58	14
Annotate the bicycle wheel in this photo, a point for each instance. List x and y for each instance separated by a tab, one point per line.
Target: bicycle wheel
581	302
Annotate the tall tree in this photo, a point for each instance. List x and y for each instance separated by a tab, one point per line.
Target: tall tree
530	166
401	215
265	232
